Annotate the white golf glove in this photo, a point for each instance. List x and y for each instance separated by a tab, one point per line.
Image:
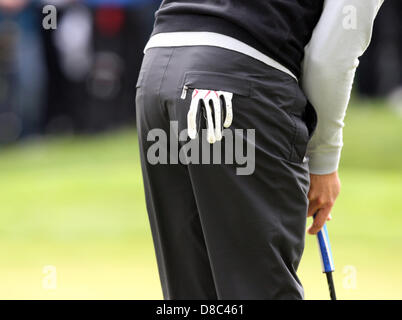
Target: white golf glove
210	97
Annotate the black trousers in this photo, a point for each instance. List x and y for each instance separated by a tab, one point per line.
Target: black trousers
219	234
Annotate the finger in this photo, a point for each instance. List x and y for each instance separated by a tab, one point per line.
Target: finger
210	125
228	107
319	220
192	115
217	113
313	207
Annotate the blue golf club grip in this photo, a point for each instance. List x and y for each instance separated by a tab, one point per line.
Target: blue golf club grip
325	249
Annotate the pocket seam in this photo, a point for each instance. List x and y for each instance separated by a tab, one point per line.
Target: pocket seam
295	155
140	79
295	131
224	82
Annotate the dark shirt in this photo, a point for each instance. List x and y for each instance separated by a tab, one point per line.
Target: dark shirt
278	28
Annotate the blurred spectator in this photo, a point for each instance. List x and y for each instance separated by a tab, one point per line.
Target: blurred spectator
94	57
380	70
21	70
68	53
120	34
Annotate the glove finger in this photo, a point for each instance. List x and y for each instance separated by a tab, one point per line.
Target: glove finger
210	125
228	107
192	115
218	117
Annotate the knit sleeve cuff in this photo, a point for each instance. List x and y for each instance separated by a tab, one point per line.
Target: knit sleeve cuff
324	162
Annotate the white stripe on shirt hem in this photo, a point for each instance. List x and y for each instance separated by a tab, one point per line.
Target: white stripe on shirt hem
182	39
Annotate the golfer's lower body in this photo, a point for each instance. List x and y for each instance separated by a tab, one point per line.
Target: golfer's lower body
218	234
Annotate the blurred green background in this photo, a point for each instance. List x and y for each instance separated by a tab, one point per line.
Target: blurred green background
77	203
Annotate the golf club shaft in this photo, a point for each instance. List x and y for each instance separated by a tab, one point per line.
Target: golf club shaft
327	261
331	286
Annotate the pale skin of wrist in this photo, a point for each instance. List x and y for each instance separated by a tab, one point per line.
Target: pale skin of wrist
324	190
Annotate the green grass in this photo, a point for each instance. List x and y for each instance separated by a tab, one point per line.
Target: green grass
77	203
